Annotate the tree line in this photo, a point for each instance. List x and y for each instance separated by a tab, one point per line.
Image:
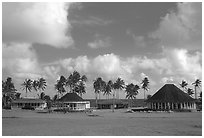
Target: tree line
190	91
76	83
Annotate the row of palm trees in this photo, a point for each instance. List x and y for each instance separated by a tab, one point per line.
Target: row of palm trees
73	83
190	91
37	85
100	86
77	83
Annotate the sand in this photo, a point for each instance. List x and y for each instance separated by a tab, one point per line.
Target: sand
107	123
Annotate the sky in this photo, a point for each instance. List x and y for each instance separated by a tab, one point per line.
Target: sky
161	41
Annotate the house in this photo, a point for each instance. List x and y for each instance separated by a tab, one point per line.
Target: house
19	103
108	104
73	102
170	97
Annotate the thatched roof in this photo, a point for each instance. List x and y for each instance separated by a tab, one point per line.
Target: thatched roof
170	93
71	97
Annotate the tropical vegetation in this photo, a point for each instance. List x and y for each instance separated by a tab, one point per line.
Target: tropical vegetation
132	91
76	83
145	85
8	92
183	85
119	85
99	86
27	85
196	84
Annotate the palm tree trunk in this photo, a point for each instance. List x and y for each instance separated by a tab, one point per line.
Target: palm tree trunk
144	94
195	93
118	94
26	93
96	101
113	101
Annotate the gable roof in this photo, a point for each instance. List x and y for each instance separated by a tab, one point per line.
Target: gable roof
71	97
170	93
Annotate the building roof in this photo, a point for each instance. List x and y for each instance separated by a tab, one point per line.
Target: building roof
170	93
28	100
71	97
110	101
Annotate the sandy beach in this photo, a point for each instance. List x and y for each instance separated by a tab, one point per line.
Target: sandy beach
107	123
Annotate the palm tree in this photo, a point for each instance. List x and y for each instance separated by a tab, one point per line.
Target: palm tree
59	86
35	85
54	98
132	91
190	91
42	84
81	85
27	85
42	95
8	91
145	84
183	84
99	86
84	78
108	89
17	95
80	89
72	81
119	85
200	96
8	86
196	84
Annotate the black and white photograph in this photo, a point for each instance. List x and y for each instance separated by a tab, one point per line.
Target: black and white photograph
101	68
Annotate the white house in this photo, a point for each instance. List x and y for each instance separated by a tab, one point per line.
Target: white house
73	102
19	103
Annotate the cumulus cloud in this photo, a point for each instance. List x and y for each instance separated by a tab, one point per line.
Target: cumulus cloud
183	63
20	60
44	23
111	66
81	64
52	71
181	28
177	63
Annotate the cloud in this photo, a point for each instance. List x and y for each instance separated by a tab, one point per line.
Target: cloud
52	71
111	66
81	64
139	41
100	42
167	80
183	63
44	23
90	21
181	28
20	60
